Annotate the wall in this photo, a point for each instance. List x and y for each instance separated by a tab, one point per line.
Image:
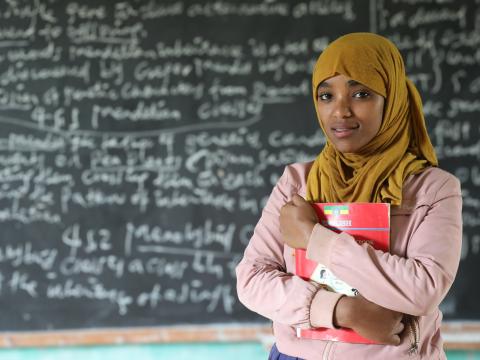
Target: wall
233	351
63	89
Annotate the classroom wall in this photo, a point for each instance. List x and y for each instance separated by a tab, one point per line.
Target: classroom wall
36	293
204	351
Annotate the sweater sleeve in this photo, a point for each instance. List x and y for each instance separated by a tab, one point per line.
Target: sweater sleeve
415	284
263	285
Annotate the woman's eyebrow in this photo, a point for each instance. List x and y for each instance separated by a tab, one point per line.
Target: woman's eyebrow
352	83
325	84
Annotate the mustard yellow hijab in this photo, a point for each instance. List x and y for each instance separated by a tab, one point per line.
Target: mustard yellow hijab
402	147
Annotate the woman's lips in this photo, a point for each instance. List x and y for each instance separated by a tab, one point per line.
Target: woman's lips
344	131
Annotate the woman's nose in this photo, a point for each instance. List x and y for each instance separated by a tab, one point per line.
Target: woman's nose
342	109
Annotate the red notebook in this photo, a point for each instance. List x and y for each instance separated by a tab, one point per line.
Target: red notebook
366	222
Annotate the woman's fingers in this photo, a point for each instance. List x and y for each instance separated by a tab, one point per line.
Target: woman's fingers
298	200
395	340
399	328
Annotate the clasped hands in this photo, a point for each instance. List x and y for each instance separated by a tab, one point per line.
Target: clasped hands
297	220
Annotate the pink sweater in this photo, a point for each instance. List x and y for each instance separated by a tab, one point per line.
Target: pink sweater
426	235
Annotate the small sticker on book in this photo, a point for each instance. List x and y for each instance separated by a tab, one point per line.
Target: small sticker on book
323	276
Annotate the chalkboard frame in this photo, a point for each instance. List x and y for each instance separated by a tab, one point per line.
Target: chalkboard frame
457	335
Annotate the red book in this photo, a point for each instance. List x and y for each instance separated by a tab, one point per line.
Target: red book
366	222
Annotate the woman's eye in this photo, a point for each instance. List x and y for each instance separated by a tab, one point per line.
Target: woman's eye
324	96
361	94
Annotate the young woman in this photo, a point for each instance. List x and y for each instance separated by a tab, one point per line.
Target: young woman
377	150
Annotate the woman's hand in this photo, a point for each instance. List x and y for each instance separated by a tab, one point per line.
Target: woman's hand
297	219
368	319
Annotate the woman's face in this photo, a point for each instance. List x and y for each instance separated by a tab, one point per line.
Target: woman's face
350	112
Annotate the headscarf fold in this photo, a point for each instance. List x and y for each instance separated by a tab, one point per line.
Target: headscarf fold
376	172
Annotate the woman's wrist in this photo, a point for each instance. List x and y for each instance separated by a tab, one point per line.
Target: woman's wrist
343	312
307	232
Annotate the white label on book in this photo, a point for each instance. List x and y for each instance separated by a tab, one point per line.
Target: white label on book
324	276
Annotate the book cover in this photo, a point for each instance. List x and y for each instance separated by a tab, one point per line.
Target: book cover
366	222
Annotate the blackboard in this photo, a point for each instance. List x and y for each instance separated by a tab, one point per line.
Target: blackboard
140	139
